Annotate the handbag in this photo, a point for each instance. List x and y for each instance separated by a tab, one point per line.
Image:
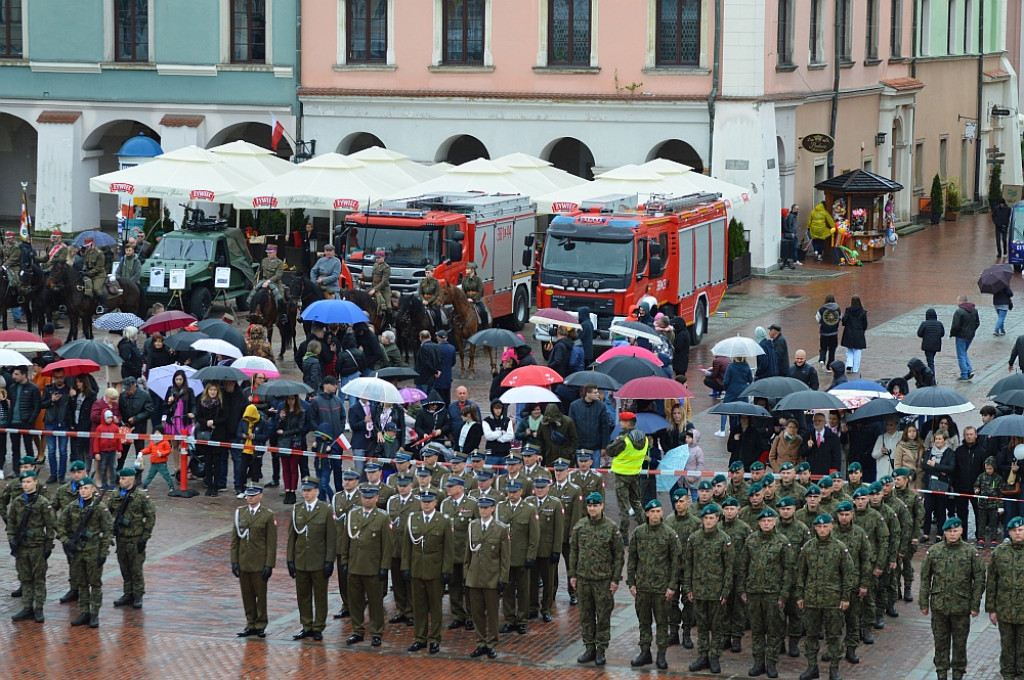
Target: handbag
935	484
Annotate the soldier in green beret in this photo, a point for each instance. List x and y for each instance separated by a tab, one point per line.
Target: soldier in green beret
365	554
134	517
905	547
67	494
86	530
253	555
681	617
757	472
486	565
1002	600
770	483
312	546
735	611
875	526
719	486
30	530
797	533
708	574
854	475
803	474
905	491
952	583
788	486
705	490
766	570
652	574
812	506
738	486
828	502
13	488
883	601
755	503
595	569
862	555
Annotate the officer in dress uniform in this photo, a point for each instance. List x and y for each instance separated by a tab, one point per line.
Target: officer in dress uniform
487	558
364	554
343	501
588	480
268	277
57	251
485	487
460	510
381	276
253	556
473	287
544	573
312	544
524	529
399	507
571	497
427	559
429	293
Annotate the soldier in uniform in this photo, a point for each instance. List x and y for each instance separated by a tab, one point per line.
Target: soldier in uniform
30	530
134	517
708	581
823	563
652	574
797	533
585	478
544	573
532	468
680	615
399	507
57	251
253	556
459	469
952	582
905	491
427	559
438	473
403	468
86	530
595	569
343	501
485	487
268	277
524	530
571	497
364	554
854	475
788	486
12	259
514	473
803	473
735	613
877	529
755	503
67	494
473	287
828	503
1002	599
719	489
486	563
95	265
381	290
429	293
312	545
812	506
424	481
737	487
906	525
766	566
374	471
460	510
862	554
13	488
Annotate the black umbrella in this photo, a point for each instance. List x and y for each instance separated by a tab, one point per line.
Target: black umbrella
1010	398
215	328
809	400
876	408
496	337
1010	382
739	408
282	388
102	353
624	369
602	380
934	401
774	388
995	278
182	341
396	373
220	373
1004	426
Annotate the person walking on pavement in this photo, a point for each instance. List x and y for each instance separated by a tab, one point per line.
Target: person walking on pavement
820	227
1002	599
312	544
31	526
787	249
1002	300
253	556
1001	220
965	324
952	583
766	570
427	559
931	331
855	324
364	553
595	570
652	574
828	317
134	518
86	530
781	347
486	565
708	580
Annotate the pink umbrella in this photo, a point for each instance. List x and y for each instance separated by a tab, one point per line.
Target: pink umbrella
411	395
251	365
653	387
630	351
555	317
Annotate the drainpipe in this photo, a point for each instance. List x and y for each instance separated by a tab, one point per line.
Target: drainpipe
913	41
715	74
835	92
298	69
981	104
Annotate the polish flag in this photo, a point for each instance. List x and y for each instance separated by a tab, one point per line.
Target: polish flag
343	442
277	133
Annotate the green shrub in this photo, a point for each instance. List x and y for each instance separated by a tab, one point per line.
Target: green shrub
738	246
937	195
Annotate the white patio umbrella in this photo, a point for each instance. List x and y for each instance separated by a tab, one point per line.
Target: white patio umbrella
477	175
251	365
629	179
373	389
253	161
540	171
186	174
8	357
396	168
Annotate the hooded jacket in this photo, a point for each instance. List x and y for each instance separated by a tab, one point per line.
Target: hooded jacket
557	435
252	430
680	346
931	331
919	371
828	318
965	321
838	369
855	324
586	334
499	431
329	408
820	223
427	422
593	423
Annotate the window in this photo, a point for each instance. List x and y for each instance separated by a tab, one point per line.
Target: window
951	27
248	31
784	48
943	153
463	31
843	27
366	24
919	166
896	29
132	30
968	12
10	29
678	33
924	36
871	32
569	33
817	47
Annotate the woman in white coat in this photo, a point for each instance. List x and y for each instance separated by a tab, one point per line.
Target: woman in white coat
885	447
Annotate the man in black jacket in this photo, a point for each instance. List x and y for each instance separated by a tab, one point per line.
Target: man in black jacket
368	342
427	363
821	449
931	331
680	346
781	347
24	397
965	324
1001	219
593	423
1017	353
136	408
233	404
558	360
969	463
57	403
803	371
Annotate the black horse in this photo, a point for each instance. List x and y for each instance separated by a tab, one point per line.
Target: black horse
8	297
302	293
65	284
411	318
36	301
265	311
365	302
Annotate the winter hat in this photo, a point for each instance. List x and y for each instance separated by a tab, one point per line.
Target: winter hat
108	414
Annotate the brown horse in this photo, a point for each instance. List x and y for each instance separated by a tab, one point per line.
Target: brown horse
264	311
129	300
66	284
464	325
368	304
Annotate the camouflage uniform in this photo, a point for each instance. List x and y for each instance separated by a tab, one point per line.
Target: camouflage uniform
91	553
766	571
952	581
739	492
735	610
797	533
915	506
749	513
862	554
874	525
681	613
65	495
708	575
825	575
595	561
35	545
653	569
1005	583
794	490
903	548
132	529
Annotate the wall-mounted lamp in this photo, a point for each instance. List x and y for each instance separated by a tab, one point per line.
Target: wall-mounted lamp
880	139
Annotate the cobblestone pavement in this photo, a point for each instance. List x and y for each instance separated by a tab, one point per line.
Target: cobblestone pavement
192	607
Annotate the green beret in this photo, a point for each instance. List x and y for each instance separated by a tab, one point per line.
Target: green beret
803	466
854	467
735	466
785	502
836	475
126	472
812	490
594	498
27	473
901	472
767	512
862	491
768	479
87	480
710	509
77	465
652	504
27	460
823	518
876	487
756	465
719	479
785	466
825	482
1015	523
158	234
705	484
678	493
887	480
845	506
730	502
756	487
952	523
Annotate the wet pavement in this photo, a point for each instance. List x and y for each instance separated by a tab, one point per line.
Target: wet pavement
193	610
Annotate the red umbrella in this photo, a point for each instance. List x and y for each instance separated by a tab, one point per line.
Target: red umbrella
630	351
541	376
652	388
167	321
72	367
22	341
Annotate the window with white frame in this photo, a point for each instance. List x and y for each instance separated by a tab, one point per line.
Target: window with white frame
817	33
896	29
11	45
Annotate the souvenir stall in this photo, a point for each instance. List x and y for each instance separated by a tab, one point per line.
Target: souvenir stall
862	205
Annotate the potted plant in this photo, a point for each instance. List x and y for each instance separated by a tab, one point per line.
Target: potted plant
995	186
952	201
739	253
937	199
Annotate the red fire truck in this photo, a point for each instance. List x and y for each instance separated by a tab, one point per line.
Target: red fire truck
449	231
672	250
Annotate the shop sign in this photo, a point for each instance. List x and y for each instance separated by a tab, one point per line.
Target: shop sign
818	142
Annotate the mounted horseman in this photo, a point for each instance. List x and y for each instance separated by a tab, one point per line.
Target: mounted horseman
268	278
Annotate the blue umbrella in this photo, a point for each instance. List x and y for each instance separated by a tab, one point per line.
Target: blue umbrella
646	423
334	311
102	239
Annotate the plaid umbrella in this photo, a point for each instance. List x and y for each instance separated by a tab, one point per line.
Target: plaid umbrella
117	321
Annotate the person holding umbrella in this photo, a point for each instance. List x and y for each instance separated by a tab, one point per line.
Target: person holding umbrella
738	377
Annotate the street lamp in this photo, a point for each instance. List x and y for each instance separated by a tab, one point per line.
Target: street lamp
304	150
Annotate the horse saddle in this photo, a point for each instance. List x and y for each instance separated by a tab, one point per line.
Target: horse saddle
113	289
482	317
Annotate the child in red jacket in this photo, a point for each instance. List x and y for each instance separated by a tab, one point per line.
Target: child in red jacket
158	452
106	450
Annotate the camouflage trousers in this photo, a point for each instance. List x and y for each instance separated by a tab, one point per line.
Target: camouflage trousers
735	615
905	569
88	574
766	626
829	621
711	627
885	594
793	619
31	566
596	603
130	560
950	634
852	618
1011	649
869	603
627	497
680	613
652	607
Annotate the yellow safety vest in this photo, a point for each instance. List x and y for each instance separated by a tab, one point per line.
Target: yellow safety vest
631	460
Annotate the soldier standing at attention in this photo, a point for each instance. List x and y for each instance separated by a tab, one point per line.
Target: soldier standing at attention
86	530
595	569
31	526
400	506
344	500
877	530
735	611
708	574
628	453
268	278
571	497
460	510
134	517
952	582
1002	602
427	559
365	555
253	555
585	478
797	533
905	546
915	505
13	488
681	620
737	487
823	563
862	555
486	560
524	530
884	601
652	574
381	290
312	544
544	573
766	577
67	494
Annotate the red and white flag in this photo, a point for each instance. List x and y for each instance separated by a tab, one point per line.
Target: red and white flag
343	442
26	220
277	133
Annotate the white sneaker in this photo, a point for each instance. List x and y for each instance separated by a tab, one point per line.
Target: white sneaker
240	495
799	263
720	433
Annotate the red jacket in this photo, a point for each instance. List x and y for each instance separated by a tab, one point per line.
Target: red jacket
96	414
158	452
99	445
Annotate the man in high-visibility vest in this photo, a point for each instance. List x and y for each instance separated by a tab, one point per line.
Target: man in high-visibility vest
628	453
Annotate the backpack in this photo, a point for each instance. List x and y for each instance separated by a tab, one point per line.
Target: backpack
577	361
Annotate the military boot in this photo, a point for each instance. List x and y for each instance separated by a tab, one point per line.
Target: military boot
757	669
833	674
700	664
891	611
958	675
137	602
737	645
772	671
867	637
908	596
599	657
879	622
69	596
94	620
686	639
851	655
123	600
661	662
643	658
80	620
826	656
587	656
38	614
23	615
16	593
673	639
714	666
941	675
794	647
811	673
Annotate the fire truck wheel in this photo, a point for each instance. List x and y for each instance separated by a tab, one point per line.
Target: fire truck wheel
700	323
520	308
